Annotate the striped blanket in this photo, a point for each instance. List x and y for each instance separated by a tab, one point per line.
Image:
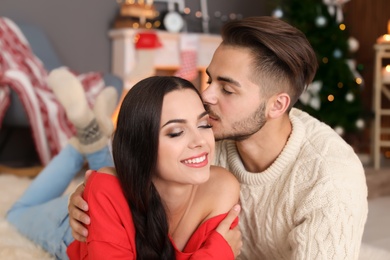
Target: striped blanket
25	74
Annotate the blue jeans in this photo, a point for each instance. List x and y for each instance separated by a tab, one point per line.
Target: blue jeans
41	213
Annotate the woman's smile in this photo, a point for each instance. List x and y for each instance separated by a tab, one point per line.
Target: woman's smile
199	161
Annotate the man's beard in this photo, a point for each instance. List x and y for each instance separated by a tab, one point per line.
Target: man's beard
245	128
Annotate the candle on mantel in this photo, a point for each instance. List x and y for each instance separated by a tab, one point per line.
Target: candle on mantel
386	37
386	74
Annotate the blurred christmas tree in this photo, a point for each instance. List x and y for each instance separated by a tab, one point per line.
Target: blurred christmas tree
334	97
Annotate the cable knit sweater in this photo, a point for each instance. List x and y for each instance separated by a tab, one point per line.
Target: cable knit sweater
311	203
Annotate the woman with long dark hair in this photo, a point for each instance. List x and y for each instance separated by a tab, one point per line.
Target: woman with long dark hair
163	199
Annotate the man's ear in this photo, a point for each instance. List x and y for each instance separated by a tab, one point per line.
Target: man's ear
278	104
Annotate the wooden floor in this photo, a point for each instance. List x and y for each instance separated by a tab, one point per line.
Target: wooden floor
21	171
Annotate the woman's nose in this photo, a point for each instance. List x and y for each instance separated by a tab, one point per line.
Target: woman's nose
197	139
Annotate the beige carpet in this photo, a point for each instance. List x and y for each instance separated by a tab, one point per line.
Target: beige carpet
13	246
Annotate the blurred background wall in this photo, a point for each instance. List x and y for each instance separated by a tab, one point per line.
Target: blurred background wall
79	29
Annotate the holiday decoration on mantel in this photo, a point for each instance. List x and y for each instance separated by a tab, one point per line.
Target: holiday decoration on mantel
173	20
136	14
335	96
181	10
189	45
146	42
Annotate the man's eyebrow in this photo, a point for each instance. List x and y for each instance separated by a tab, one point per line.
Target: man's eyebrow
225	79
183	120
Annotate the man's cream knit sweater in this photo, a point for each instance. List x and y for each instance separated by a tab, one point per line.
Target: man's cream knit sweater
311	203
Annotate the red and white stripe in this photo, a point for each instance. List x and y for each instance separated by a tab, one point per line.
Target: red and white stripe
25	74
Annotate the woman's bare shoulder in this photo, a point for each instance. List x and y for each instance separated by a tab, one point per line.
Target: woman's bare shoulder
222	190
222	176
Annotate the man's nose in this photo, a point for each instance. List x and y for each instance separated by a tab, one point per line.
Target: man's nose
209	96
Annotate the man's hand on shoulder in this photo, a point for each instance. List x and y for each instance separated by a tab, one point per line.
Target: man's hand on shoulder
77	208
231	235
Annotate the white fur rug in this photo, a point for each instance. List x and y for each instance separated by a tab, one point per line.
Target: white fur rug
14	246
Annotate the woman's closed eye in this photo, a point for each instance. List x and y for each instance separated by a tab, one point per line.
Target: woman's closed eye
206	126
175	134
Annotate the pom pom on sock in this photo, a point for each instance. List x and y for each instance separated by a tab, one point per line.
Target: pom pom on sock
70	93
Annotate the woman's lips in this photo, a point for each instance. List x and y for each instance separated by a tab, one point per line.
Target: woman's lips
197	162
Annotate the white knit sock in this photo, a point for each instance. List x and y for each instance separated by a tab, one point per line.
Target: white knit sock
92	147
70	93
103	109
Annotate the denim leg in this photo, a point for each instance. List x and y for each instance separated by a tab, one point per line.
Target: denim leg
40	213
53	180
46	225
99	159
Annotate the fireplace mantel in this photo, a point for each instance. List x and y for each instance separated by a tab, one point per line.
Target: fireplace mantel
167	57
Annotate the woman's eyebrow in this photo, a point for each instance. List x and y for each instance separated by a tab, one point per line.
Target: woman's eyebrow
203	114
174	121
184	120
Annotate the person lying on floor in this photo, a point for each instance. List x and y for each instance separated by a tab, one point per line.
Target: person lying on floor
163	199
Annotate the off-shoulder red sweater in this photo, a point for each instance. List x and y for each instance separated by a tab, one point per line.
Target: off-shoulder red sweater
111	234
